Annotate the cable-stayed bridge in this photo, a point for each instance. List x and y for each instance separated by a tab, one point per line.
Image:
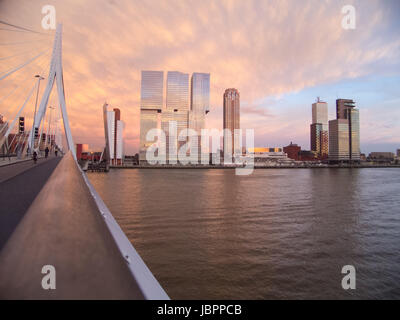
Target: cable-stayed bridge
50	214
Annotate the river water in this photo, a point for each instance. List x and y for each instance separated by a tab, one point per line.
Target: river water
275	234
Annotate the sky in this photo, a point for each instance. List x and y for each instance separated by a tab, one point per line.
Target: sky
281	55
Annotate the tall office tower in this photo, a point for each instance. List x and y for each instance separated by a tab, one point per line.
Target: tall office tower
114	129
172	123
353	117
344	133
342	105
177	91
231	121
199	107
177	108
151	102
319	128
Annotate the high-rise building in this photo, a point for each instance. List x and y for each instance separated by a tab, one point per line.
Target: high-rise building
231	121
199	107
114	129
339	140
176	113
341	106
320	113
172	123
344	133
151	90
353	117
154	115
177	91
151	104
319	129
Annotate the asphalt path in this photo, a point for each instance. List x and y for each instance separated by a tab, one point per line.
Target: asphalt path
20	183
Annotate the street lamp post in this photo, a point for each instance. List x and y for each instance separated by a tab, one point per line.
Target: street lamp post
49	128
34	114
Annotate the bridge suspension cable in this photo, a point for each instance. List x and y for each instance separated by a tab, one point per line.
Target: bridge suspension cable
20	85
6	74
55	76
15	55
11	127
21	28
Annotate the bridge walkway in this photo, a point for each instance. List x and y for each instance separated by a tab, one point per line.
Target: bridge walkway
20	183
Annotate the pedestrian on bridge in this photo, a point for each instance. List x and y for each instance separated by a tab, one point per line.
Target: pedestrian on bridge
34	157
46	151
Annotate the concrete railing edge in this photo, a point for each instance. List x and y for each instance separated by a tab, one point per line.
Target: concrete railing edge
150	287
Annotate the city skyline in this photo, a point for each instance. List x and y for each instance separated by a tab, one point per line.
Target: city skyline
277	77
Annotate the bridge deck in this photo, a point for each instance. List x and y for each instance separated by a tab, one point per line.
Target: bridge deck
20	183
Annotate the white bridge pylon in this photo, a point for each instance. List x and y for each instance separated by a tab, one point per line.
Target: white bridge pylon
55	74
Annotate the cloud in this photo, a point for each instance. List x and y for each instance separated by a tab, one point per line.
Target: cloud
265	49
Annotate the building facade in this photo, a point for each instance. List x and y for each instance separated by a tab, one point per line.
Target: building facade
381	157
151	90
319	140
344	133
199	107
175	117
179	111
114	128
173	123
81	148
151	104
177	91
341	106
292	151
266	156
231	121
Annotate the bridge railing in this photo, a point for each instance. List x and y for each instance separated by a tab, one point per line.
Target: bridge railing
69	227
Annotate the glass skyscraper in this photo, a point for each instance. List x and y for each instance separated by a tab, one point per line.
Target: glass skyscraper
177	108
344	133
200	93
319	129
175	120
151	103
354	134
199	107
177	91
151	91
153	114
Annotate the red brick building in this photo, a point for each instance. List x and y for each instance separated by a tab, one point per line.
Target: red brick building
293	151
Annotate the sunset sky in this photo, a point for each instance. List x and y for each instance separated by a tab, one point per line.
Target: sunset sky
280	55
